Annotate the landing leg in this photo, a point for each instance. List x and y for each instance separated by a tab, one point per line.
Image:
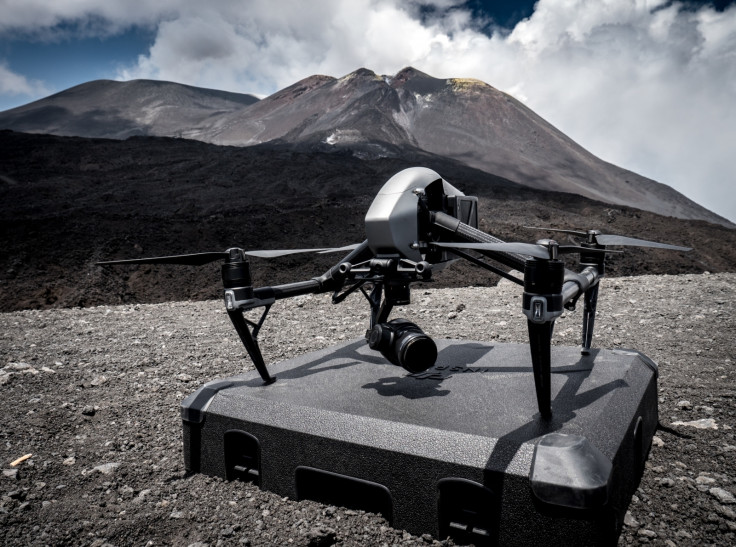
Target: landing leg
590	302
540	338
251	345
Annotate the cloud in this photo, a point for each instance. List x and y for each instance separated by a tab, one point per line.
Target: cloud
645	84
17	84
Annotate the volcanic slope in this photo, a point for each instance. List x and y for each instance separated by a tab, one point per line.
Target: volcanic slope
67	202
118	110
369	115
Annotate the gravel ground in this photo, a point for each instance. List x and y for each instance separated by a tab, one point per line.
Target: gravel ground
92	395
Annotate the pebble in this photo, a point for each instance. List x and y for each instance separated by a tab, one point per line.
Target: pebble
630	521
98	380
107	468
724	496
88	410
176	515
685	405
10	473
703	423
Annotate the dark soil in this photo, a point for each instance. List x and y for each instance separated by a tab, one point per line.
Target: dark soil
93	395
68	202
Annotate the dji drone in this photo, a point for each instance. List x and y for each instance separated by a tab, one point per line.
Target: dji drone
417	223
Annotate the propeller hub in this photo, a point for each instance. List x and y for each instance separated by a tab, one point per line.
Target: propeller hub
552	246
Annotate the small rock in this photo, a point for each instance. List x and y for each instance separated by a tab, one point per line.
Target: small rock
724	496
98	380
684	405
656	441
667	482
10	473
71	460
321	537
452	315
702	479
704	423
107	468
630	521
726	512
226	532
647	533
88	410
176	515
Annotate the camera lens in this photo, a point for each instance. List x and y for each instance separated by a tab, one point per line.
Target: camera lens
417	352
404	344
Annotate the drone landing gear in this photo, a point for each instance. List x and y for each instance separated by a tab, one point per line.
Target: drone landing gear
540	337
542	304
590	303
243	327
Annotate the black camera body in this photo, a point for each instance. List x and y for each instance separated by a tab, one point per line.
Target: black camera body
404	344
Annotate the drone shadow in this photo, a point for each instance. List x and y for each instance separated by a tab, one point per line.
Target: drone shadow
347	356
420	385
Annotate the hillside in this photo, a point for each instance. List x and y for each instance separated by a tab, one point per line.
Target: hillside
364	114
67	202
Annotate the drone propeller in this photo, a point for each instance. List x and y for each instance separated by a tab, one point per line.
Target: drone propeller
594	236
530	249
199	259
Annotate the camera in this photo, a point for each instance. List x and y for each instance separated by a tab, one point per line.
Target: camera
404	344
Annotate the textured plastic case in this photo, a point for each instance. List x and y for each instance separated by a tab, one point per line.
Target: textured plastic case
458	450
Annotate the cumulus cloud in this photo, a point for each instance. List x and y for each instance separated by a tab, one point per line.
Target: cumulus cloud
12	83
644	84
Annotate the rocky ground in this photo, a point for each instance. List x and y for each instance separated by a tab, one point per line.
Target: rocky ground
90	403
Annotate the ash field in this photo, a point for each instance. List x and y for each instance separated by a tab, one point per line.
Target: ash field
95	362
94	393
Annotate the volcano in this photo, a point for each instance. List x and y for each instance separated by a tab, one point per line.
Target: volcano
367	115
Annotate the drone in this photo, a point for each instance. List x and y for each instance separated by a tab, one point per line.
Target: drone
417	224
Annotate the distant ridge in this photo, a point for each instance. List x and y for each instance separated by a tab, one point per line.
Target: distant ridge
367	114
118	110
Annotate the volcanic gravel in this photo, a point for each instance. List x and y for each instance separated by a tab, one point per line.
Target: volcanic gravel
92	396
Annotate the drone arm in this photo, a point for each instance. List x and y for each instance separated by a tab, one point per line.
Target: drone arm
576	284
467	233
331	280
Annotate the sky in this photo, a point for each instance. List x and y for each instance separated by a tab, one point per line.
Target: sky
649	85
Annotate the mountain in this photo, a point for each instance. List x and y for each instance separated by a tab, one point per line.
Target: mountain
67	202
369	115
118	110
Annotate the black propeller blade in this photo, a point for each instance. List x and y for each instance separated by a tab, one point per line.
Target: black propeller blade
199	259
604	239
530	249
594	236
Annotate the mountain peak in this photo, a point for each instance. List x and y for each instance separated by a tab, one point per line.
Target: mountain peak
468	85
